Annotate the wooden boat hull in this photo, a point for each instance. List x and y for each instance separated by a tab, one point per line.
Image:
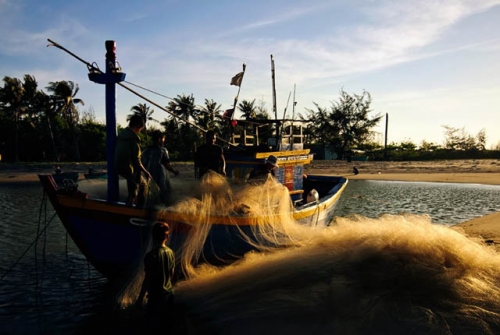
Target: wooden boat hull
114	237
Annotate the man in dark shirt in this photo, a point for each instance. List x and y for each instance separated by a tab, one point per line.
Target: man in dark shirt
159	267
210	156
261	172
128	161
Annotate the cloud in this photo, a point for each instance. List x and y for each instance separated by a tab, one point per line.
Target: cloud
282	16
393	33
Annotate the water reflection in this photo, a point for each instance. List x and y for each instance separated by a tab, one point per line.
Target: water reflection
46	283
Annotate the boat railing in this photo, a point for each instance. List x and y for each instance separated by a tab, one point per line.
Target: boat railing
283	137
246	138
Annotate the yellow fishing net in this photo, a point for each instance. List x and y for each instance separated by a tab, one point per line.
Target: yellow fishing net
265	207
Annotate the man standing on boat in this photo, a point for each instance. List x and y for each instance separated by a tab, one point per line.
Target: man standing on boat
157	161
128	161
210	156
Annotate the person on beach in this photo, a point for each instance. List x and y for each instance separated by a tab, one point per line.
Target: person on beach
159	267
128	162
156	160
262	172
210	156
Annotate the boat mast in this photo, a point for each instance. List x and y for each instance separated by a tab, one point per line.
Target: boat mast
274	88
110	78
275	109
293	116
111	130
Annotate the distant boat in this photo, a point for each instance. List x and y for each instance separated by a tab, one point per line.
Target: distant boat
358	156
62	178
96	175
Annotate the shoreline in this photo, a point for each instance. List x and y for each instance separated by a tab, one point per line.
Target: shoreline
473	171
485	172
459	178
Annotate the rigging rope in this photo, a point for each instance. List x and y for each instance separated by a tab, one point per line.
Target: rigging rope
29	246
40	212
92	67
151	91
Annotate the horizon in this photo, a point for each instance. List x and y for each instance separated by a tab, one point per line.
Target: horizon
426	65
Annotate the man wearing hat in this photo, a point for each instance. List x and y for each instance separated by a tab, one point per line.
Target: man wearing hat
262	172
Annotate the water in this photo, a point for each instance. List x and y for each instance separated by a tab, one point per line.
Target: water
47	284
445	203
353	277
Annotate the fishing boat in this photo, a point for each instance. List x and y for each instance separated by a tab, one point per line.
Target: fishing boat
93	174
62	178
110	234
114	237
96	175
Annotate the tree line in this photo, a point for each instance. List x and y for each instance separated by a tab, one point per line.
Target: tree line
51	126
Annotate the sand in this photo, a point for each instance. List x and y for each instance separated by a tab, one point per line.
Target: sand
475	171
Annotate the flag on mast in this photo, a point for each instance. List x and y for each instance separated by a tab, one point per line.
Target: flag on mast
236	80
228	114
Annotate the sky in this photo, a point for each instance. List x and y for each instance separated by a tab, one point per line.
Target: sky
426	64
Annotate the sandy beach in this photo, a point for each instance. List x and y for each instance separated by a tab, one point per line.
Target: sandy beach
474	171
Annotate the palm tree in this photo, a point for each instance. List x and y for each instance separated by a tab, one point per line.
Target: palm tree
39	111
47	110
144	112
11	102
210	115
64	93
183	106
248	109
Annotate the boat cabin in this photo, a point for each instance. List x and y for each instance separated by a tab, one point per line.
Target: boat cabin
252	141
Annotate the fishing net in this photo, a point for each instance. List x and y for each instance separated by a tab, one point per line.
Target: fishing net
266	210
258	216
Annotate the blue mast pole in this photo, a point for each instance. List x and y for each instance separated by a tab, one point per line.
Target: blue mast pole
112	76
111	131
